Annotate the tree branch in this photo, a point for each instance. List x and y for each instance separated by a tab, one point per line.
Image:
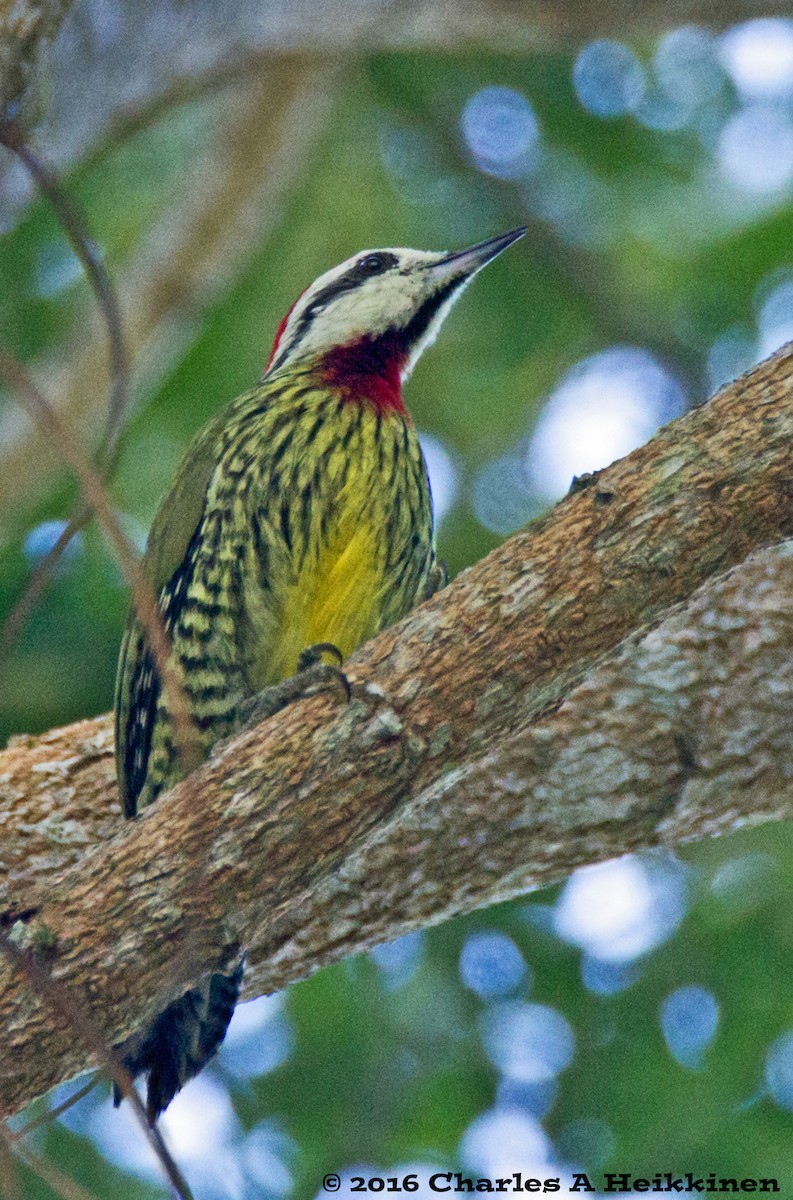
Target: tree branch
572	696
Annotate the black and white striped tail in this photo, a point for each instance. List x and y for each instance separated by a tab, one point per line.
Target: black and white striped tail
182	1039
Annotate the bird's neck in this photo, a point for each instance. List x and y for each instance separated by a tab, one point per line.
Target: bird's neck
367	370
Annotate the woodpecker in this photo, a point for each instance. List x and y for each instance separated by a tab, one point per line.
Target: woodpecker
300	516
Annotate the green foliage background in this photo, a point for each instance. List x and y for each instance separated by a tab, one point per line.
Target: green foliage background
380	1074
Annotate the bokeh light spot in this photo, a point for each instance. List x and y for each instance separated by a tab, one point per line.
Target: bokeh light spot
534	1098
755	149
689	1020
527	1042
687	67
201	1128
730	354
399	960
501	132
605	978
775	316
57	268
265	1154
43	537
758	56
501	497
602	409
258	1040
443	473
500	1141
492	965
779	1070
618	910
608	79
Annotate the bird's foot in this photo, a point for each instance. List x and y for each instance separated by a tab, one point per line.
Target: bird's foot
314	674
315	655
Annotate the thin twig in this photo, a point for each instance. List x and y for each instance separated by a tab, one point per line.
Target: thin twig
52	1114
96	498
62	1185
77	1017
192	254
76	230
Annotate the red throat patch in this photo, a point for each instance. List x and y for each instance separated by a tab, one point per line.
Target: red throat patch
367	370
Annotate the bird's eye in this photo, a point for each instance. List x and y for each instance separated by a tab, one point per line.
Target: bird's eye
372	264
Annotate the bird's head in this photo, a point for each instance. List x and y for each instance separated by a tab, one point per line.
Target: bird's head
371	317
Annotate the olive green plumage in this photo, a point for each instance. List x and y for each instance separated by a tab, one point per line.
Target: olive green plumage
301	514
296	517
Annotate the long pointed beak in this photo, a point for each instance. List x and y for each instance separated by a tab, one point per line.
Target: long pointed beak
468	262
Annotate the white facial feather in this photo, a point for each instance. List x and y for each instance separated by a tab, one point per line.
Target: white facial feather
385	301
347	303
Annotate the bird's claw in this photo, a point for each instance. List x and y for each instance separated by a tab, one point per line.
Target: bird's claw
313	675
312	655
320	674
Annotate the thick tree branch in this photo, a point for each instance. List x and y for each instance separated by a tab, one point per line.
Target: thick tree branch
683	734
570	697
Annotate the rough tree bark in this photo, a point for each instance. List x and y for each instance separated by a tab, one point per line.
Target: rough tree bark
617	675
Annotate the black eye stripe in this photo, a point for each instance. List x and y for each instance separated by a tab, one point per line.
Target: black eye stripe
366	267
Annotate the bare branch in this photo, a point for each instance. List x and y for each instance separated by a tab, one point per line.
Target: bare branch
186	89
76	230
76	1020
516	725
684	734
96	500
74	226
52	1114
54	993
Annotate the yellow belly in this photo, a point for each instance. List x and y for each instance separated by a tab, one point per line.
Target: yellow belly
337	598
